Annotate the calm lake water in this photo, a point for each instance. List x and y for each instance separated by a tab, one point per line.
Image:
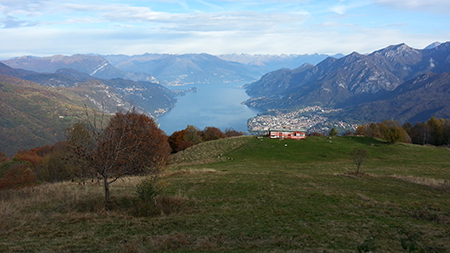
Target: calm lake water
217	105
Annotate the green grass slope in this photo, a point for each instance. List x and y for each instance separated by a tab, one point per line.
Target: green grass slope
254	196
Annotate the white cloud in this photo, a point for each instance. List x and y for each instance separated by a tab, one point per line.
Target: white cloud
344	6
437	6
247	26
136	40
339	9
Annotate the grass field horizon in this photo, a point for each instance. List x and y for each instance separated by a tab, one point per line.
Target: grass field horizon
250	195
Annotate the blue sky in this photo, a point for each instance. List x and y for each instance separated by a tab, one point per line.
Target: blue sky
48	27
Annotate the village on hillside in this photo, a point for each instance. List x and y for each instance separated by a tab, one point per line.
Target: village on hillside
311	118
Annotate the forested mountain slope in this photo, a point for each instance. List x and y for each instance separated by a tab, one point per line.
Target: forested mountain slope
32	115
354	80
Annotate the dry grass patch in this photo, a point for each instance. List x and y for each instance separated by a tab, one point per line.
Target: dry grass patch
433	182
24	205
187	172
69	200
178	240
207	152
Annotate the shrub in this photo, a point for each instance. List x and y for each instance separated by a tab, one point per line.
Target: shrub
359	156
18	175
333	132
3	158
149	188
230	132
212	133
315	134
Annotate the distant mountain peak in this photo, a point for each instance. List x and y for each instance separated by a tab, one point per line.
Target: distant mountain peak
397	52
433	45
396	48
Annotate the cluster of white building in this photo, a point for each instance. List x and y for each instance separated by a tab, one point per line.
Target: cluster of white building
306	118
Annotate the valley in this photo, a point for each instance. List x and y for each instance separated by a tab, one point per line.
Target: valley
210	126
340	91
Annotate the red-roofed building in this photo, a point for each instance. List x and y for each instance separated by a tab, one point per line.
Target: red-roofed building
295	134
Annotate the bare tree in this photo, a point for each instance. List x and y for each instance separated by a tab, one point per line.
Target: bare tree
359	156
130	144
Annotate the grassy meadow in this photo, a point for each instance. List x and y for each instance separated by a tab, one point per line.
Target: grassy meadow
250	195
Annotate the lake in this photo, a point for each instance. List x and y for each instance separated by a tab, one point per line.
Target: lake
217	105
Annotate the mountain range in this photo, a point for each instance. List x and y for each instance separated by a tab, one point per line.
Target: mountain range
266	63
41	96
36	108
396	82
94	65
167	69
107	95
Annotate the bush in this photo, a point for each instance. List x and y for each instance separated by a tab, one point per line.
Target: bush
212	133
230	132
315	134
148	189
17	176
151	202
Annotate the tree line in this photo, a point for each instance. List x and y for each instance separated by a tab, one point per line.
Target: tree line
191	136
433	132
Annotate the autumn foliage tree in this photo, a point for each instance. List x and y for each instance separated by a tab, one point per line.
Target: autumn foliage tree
181	140
212	133
230	132
3	158
20	171
193	135
178	142
434	131
389	130
16	174
29	167
130	144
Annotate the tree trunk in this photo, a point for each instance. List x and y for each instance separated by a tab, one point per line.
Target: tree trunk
106	187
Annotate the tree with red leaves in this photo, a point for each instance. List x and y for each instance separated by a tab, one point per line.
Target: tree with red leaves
212	133
130	144
178	141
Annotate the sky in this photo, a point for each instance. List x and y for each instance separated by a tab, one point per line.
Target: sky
49	27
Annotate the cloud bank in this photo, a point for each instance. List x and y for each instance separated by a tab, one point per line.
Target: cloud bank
35	27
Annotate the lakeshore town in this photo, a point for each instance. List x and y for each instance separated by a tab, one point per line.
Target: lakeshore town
312	119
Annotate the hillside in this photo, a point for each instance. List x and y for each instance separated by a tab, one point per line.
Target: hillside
108	95
32	115
413	101
261	196
356	80
35	115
